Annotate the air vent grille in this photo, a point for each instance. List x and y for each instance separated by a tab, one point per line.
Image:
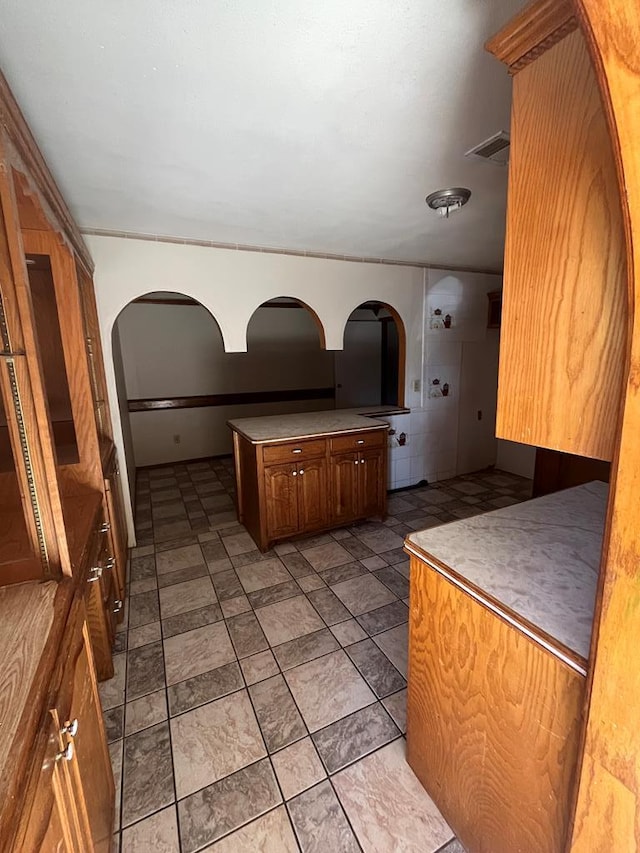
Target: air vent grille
495	149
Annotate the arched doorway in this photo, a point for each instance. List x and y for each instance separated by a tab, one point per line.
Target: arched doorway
370	369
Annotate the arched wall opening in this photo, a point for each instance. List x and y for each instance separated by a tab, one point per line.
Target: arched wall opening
178	387
370	369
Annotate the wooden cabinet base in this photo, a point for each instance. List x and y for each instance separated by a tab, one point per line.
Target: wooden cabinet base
493	721
287	489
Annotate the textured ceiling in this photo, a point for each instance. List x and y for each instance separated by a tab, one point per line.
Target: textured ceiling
286	123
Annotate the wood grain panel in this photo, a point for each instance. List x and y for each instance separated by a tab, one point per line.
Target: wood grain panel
608	807
294	452
358	440
537	28
281	500
564	301
492	722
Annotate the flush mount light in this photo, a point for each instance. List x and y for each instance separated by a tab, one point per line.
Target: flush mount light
446	201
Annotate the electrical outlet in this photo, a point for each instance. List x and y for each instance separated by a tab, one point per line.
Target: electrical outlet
176	439
416	385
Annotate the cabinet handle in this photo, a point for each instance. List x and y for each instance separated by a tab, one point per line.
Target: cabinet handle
297	450
295	473
360	441
105	527
95	574
117	605
301	471
70	728
66	754
110	563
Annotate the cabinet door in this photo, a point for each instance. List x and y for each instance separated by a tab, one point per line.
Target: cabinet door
281	499
100	622
313	510
344	487
91	770
371	483
53	823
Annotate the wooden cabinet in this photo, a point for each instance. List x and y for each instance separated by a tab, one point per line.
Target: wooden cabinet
356	483
65	791
564	318
281	501
295	497
493	720
302	485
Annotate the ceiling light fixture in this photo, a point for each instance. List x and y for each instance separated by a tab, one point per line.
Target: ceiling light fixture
446	201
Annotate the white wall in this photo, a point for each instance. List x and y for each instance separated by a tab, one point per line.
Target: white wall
446	437
177	351
516	458
358	366
232	284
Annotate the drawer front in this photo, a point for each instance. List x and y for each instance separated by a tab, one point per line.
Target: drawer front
293	451
358	441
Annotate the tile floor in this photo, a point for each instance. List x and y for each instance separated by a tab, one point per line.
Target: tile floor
259	699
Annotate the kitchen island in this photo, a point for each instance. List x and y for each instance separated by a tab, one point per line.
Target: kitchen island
501	613
308	472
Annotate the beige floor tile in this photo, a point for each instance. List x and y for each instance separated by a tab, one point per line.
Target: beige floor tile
197	651
327	556
144	585
271	833
238	543
298	767
178	558
347	633
145	712
395	644
258	667
214	740
288	619
363	593
262	574
158	833
327	689
144	635
396	705
387	806
233	606
190	595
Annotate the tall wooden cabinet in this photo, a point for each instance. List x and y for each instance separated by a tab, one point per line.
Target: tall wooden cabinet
564	314
63	547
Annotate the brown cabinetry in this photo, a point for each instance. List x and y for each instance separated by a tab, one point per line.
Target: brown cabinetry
563	335
302	485
64	792
356	483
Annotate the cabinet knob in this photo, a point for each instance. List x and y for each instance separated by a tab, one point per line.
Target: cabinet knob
95	574
105	527
356	462
70	728
66	754
295	473
117	605
301	471
362	461
110	563
360	441
297	450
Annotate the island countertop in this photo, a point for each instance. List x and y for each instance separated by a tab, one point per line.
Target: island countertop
538	560
305	425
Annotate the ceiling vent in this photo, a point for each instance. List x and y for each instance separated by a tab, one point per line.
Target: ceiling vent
495	149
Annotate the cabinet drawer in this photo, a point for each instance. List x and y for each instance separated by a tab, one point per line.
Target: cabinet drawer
358	441
293	451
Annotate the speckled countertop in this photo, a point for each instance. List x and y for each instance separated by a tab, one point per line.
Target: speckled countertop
304	425
539	558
